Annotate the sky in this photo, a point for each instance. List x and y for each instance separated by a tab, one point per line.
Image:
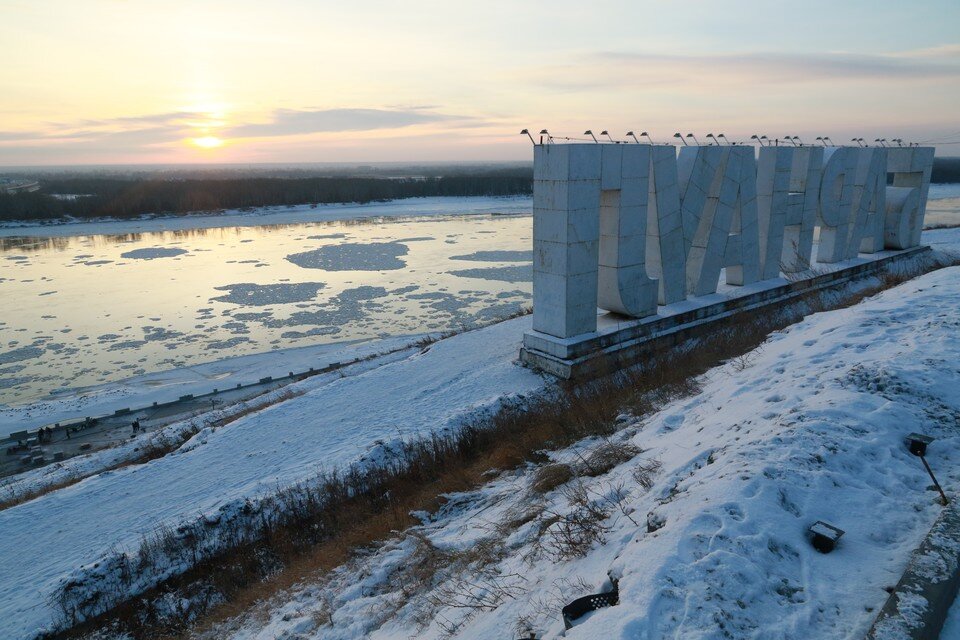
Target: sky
128	81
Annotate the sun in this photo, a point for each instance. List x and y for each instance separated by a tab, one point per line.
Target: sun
207	142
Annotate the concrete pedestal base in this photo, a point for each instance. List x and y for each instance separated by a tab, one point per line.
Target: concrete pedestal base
619	341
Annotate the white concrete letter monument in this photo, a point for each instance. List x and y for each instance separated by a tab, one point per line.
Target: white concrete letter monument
632	235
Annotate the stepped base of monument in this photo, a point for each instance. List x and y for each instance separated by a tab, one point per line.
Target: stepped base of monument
620	341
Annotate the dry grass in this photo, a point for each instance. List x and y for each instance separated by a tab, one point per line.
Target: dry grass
608	455
549	477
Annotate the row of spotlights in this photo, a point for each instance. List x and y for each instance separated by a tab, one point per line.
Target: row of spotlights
762	140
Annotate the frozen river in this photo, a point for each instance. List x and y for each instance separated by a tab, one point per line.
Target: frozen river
94	308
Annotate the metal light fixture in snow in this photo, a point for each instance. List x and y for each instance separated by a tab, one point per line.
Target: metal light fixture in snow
525	132
918	443
825	536
582	606
589	132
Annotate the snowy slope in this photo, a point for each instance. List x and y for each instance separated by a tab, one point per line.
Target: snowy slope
809	427
334	424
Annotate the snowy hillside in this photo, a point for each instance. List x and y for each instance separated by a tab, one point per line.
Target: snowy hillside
808	427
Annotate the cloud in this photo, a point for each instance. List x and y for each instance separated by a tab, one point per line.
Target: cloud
288	122
620	69
151	129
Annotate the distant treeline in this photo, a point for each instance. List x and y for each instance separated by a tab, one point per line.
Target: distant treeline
945	170
128	197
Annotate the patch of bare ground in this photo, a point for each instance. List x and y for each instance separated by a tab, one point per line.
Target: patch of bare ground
321	523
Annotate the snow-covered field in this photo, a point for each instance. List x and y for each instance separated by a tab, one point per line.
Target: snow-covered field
808	427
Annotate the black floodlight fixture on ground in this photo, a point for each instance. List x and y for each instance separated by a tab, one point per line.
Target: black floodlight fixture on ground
647	136
822	140
710	136
797	139
588	132
724	138
582	606
859	141
917	442
544	132
827	138
697	142
790	139
607	133
680	135
630	134
881	141
526	132
825	536
758	139
899	141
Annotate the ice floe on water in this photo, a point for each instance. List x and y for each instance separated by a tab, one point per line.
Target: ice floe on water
328	236
258	295
372	256
21	354
501	274
152	253
497	256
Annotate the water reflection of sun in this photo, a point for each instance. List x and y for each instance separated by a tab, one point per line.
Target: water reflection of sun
207	142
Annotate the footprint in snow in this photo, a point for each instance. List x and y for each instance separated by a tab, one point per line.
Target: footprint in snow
672	422
775	398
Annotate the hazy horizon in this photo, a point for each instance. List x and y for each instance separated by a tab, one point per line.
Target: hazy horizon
129	83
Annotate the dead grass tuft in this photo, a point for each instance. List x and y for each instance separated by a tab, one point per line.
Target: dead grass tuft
608	455
551	476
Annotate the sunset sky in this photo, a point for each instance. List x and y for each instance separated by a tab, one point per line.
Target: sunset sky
104	82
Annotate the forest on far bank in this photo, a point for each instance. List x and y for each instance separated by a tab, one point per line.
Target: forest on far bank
94	196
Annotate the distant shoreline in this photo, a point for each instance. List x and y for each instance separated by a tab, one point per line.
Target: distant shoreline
259	216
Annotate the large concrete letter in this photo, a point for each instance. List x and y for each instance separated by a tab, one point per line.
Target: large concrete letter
742	256
730	189
566	231
869	202
911	167
665	249
773	191
836	200
802	202
623	283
